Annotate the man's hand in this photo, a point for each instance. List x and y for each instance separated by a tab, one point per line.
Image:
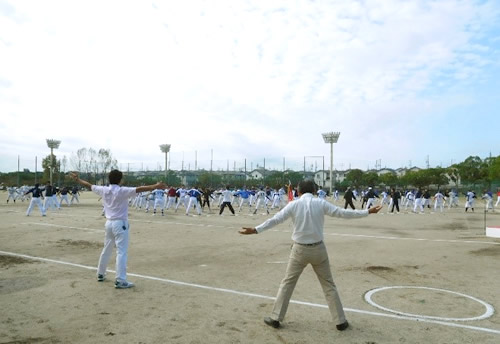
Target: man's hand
374	210
77	179
160	185
248	230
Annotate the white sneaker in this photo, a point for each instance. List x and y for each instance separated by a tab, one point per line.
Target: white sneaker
123	284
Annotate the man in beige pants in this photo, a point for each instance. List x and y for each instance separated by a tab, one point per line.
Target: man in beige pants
307	215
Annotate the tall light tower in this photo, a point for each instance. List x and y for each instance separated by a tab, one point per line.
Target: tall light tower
165	149
331	138
53	144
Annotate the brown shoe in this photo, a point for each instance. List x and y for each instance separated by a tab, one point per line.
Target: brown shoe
271	322
343	326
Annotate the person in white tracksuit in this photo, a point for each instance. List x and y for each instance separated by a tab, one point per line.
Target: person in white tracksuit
183	198
470	198
438	201
488	198
12	194
159	196
261	201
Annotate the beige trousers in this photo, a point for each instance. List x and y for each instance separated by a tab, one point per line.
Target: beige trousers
300	257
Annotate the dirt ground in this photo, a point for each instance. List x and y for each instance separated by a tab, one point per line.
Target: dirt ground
199	281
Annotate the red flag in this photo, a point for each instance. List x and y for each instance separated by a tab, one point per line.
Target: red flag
290	191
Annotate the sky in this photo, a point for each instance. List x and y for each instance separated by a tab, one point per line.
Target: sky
229	82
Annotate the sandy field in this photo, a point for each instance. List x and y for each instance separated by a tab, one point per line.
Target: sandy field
431	278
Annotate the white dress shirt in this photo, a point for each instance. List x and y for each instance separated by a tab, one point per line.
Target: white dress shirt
115	200
307	215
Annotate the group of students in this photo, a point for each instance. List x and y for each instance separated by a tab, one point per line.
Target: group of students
48	194
174	197
417	200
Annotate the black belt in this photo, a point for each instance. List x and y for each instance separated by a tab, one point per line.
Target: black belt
313	244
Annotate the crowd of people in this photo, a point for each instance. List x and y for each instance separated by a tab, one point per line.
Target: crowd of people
252	199
417	200
264	199
47	197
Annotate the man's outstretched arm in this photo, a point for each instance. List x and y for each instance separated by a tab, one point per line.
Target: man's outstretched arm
77	179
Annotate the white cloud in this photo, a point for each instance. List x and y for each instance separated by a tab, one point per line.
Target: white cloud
245	78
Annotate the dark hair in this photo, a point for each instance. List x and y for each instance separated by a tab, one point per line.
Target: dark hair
306	186
115	177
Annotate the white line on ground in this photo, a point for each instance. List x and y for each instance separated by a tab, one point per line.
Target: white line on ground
236	292
61	226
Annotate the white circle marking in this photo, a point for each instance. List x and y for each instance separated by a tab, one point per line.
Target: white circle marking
488	313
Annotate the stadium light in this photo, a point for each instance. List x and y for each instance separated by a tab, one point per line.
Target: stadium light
165	149
52	144
331	138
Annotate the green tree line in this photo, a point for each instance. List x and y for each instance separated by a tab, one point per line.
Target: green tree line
473	172
94	166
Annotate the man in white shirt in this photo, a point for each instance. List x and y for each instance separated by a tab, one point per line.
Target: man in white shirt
307	215
226	200
115	201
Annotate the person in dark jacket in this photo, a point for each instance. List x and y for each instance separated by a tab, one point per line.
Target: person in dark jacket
349	196
36	193
395	195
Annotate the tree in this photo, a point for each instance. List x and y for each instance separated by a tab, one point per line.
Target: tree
388	179
418	179
47	163
494	169
454	174
370	179
79	161
208	179
470	171
275	179
105	162
293	177
355	177
437	176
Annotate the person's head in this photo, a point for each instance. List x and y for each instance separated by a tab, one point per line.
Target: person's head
115	177
37	185
306	186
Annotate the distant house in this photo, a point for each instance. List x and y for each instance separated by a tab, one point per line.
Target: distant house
385	171
322	177
402	171
256	174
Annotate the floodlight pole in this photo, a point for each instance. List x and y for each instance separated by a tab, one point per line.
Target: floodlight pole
52	144
165	149
331	138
